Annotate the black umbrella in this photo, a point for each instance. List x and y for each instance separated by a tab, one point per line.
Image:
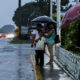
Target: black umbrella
43	19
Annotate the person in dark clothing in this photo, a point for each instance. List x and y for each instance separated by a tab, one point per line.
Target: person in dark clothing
39	58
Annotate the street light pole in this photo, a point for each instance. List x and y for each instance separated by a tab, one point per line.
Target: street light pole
59	17
51	8
19	6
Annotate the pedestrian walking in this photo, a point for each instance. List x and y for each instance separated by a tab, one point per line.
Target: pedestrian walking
50	40
40	49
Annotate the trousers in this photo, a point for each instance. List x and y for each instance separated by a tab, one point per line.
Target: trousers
39	56
50	49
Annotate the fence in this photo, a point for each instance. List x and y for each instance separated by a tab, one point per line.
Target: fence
70	61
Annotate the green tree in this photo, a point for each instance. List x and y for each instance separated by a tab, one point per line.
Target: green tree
44	6
70	37
26	13
64	2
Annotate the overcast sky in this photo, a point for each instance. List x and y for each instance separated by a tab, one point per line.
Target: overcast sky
7	8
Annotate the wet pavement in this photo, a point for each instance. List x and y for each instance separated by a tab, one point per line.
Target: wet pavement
50	72
15	63
53	72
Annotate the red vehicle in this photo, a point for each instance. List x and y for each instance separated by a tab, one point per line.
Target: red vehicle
2	35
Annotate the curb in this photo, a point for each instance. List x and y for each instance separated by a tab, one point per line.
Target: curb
37	72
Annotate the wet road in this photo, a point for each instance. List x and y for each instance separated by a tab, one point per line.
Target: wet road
15	63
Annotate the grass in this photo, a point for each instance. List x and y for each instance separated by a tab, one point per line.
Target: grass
20	41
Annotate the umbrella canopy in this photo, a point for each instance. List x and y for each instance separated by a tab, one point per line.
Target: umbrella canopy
43	19
72	15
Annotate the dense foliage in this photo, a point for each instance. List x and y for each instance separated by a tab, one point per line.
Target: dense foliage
26	13
64	2
23	15
69	37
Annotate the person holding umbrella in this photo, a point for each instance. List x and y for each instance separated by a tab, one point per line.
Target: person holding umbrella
50	37
50	40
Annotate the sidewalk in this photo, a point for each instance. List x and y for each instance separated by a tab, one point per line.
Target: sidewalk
49	72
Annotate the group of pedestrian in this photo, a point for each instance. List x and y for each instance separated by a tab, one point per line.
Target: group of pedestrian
41	38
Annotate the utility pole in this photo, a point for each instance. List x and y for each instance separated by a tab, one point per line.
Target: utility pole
51	8
19	6
59	18
19	3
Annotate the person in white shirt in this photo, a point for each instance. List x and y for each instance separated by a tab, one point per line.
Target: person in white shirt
35	34
40	49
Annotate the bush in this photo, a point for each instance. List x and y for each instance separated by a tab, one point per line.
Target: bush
20	41
69	37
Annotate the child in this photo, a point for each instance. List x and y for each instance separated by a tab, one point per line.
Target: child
40	45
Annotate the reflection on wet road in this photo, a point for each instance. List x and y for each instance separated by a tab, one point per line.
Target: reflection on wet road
15	63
